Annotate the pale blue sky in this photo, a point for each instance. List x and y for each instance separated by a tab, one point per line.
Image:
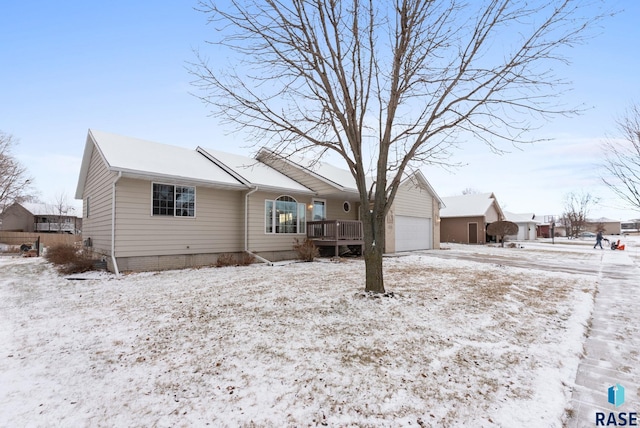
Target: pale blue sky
119	66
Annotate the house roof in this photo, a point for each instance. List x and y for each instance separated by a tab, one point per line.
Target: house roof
520	218
341	179
37	208
474	205
253	172
603	220
138	158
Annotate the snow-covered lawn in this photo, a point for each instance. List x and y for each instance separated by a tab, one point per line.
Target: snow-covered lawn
461	343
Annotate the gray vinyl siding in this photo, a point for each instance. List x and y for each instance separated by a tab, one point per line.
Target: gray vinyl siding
259	241
336	212
412	200
17	218
98	187
216	228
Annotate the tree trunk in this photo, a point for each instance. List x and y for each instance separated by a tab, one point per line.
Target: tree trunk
373	250
373	267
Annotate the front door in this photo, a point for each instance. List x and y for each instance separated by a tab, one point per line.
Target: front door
319	210
473	233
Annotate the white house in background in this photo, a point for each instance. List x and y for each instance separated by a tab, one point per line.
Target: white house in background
630	226
151	206
527	226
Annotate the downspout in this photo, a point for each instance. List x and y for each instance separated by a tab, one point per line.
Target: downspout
246	228
113	225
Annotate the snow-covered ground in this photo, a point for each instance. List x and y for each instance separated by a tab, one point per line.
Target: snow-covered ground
460	343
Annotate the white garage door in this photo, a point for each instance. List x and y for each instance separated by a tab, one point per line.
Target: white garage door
413	233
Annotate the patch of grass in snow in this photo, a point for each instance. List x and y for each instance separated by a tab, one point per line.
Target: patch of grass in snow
234	347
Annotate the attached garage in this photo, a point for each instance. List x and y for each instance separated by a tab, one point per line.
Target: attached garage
413	233
413	222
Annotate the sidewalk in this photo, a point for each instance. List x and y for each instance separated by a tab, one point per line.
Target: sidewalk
612	348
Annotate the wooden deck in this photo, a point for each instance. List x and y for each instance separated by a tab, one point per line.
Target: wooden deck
336	233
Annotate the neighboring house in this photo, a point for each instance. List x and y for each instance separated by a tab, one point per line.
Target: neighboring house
630	226
151	206
609	226
527	226
465	218
36	217
548	223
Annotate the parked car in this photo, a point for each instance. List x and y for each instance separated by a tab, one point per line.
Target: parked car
587	235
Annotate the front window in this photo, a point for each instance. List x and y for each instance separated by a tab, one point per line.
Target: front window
185	201
284	215
170	200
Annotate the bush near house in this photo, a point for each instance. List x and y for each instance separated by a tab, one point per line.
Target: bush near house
228	259
68	259
306	250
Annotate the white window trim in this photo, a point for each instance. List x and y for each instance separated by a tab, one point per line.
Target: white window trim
195	198
324	201
301	226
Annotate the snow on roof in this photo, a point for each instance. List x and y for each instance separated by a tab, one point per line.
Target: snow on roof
253	172
467	205
520	218
603	220
145	158
337	177
39	208
342	177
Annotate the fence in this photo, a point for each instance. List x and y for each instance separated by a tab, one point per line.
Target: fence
46	239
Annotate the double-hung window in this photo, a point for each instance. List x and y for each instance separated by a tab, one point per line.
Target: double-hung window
284	215
170	200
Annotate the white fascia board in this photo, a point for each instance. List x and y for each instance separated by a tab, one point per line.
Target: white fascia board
173	179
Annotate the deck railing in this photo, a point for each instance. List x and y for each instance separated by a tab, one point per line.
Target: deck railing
335	230
56	227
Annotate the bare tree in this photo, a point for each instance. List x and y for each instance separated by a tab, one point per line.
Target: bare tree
622	159
14	183
576	209
387	86
62	210
470	191
501	229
